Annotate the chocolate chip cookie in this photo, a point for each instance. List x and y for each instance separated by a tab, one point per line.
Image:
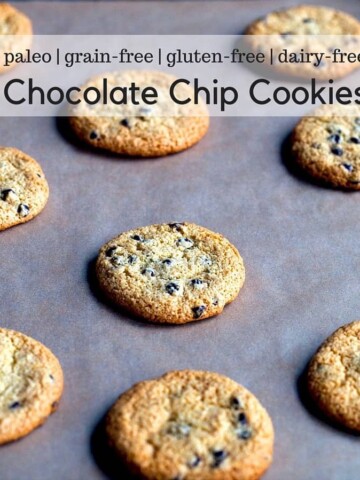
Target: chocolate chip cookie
334	376
307	28
327	146
31	384
171	273
15	32
140	130
191	425
24	190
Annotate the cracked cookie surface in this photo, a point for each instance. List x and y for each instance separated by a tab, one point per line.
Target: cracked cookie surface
327	146
191	425
334	376
24	190
289	29
141	130
170	273
31	383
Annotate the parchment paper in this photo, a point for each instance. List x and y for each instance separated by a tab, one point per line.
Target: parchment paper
299	241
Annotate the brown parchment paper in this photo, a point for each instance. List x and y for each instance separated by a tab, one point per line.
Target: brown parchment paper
300	244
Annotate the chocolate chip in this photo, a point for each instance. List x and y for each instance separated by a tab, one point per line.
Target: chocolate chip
337	151
215	302
219	457
244	434
55	405
184	242
242	418
52	377
196	282
235	403
194	462
176	226
286	34
355	140
357	120
308	20
118	260
110	251
6	192
198	311
335	137
93	135
347	167
167	262
23	210
14	405
132	259
138	238
125	123
205	260
149	272
172	287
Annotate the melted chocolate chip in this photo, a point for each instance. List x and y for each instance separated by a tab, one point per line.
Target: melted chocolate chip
6	192
132	259
347	167
337	151
215	302
110	251
93	135
167	262
138	238
149	272
244	434
176	226
335	137
235	403
242	418
172	287
184	242
117	260
52	377
219	457
14	405
198	311
194	462
23	210
196	282
286	34
355	140
125	123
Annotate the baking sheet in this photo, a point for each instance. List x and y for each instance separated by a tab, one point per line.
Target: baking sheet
299	243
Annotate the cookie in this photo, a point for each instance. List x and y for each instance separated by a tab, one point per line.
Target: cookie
170	273
141	130
334	376
31	384
15	32
289	29
191	425
326	146
23	188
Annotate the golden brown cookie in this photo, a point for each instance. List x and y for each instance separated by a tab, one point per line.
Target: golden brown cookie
140	130
15	32
307	28
327	146
334	376
171	273
31	384
24	190
191	425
